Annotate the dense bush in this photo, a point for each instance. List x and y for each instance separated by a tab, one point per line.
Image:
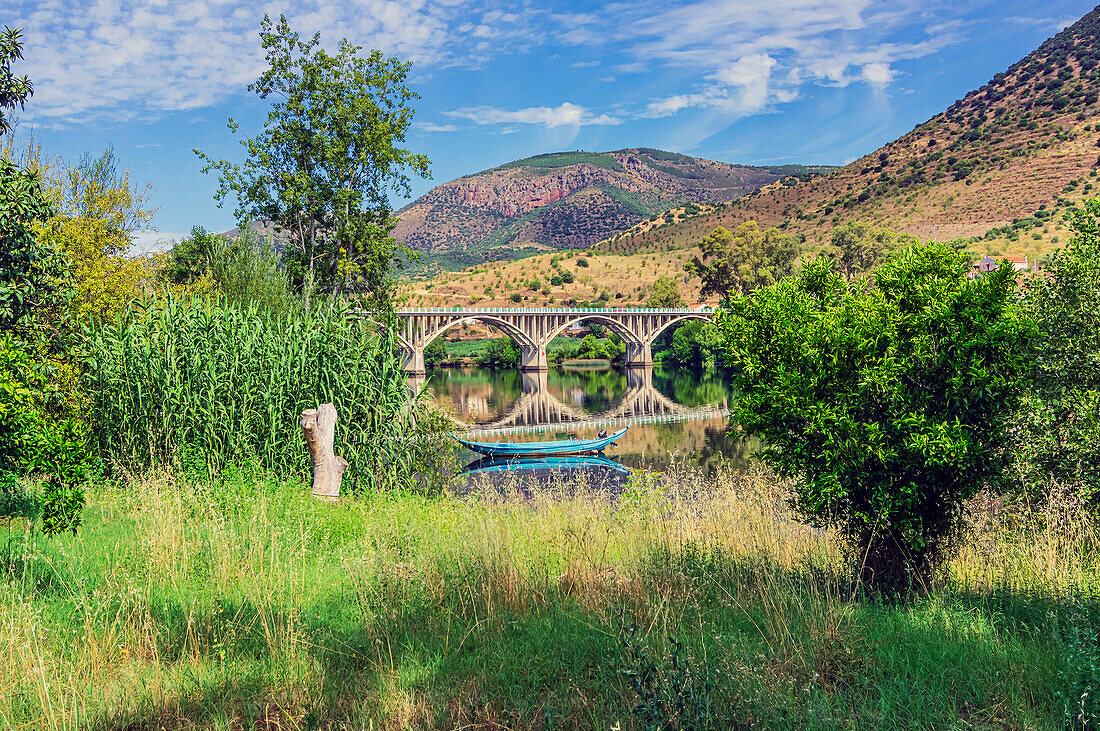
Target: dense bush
231	383
889	404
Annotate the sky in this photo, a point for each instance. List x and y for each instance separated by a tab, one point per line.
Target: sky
741	81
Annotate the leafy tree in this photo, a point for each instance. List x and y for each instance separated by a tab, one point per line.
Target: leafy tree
14	90
664	293
328	154
436	353
32	271
96	211
857	247
1060	422
743	261
697	344
890	404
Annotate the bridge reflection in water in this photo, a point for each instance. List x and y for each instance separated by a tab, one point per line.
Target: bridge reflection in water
538	410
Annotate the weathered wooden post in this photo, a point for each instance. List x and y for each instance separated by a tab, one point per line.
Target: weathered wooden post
319	429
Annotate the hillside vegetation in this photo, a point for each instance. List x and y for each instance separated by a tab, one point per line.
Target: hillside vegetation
1000	165
566	200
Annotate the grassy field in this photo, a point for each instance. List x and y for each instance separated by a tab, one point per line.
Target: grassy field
699	604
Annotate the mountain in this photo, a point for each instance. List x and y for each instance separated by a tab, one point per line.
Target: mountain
568	200
999	166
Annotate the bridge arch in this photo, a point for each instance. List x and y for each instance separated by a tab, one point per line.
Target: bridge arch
665	326
615	326
522	339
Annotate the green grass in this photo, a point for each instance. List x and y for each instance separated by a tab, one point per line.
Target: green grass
248	603
563	159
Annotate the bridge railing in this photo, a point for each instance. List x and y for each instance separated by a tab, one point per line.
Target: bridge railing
558	310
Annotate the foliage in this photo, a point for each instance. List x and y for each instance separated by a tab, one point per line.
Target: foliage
890	404
1060	422
436	353
664	293
244	271
96	210
22	385
328	154
231	384
857	247
743	261
694	344
14	90
500	353
32	271
35	439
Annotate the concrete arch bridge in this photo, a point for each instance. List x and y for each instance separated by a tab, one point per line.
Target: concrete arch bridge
532	328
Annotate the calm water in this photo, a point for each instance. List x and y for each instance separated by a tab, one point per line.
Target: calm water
676	415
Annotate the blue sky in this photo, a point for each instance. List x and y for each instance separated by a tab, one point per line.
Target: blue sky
745	81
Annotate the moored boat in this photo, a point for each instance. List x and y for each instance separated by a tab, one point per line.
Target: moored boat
561	446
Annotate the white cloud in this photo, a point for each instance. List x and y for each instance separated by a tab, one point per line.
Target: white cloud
104	59
565	115
750	55
153	242
433	127
878	74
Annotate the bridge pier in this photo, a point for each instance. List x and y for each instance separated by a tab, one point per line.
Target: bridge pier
533	358
639	355
413	361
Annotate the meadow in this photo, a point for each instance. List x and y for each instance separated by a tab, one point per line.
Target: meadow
688	601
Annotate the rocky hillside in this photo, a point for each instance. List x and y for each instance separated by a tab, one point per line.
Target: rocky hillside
998	166
567	200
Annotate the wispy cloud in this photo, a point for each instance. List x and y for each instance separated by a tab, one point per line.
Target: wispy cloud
101	59
565	115
433	127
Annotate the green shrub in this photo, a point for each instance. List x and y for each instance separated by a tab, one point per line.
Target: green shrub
890	404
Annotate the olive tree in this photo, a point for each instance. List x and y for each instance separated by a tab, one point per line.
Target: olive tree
888	400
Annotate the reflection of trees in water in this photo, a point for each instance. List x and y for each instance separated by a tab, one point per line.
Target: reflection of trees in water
474	393
692	387
600	390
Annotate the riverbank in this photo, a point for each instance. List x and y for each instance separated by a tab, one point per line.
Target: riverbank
250	604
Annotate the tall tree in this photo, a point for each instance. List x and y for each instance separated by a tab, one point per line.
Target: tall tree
14	90
96	211
31	271
743	261
326	159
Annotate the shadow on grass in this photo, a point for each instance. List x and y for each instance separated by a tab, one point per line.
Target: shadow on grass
785	648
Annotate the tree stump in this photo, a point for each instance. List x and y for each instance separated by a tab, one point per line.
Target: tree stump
319	429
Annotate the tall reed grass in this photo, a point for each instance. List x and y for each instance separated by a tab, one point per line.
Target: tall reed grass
229	384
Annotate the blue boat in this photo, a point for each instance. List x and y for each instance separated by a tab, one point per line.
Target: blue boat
501	464
562	446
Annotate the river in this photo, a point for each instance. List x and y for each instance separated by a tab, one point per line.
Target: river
676	415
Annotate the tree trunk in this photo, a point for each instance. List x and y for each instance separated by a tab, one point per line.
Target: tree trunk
319	429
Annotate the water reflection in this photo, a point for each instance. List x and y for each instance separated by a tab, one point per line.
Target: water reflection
673	414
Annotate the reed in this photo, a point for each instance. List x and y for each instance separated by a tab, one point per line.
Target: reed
228	384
